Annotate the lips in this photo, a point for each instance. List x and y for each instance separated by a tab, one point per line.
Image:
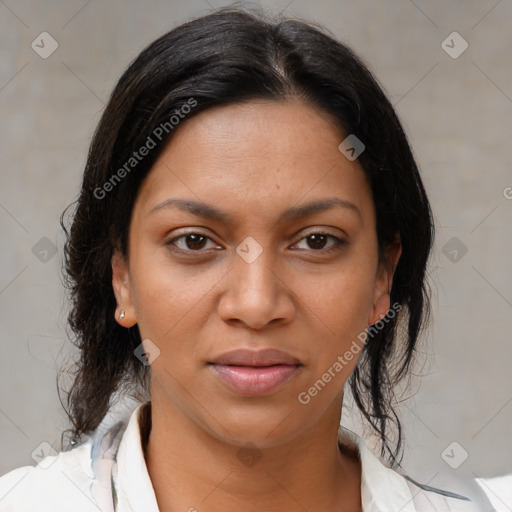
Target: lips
265	357
255	373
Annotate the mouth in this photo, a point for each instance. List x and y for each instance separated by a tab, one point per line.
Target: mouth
250	373
255	380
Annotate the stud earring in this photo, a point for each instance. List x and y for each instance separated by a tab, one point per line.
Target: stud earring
121	314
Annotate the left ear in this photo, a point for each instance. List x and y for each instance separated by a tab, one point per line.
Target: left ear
122	291
384	281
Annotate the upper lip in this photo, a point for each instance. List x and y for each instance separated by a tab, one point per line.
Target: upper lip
263	357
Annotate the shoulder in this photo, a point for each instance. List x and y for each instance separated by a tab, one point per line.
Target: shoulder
429	499
52	485
81	476
498	490
468	497
384	488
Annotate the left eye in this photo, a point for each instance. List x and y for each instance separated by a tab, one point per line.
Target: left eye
319	239
194	242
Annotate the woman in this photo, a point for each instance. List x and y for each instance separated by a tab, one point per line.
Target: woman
251	235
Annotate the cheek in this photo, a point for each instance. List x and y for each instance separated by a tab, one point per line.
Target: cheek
343	298
165	295
340	306
340	310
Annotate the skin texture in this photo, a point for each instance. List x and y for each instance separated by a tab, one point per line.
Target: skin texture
252	160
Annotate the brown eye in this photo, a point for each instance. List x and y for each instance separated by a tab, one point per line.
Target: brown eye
195	241
317	242
190	242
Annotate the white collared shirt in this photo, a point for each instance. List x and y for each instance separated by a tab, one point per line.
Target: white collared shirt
110	466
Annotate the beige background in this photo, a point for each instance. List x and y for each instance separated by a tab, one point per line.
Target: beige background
457	112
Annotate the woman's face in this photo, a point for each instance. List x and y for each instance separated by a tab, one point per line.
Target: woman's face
246	262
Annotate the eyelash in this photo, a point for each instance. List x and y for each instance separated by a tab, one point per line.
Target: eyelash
338	242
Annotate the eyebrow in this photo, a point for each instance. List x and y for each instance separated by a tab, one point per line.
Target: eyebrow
207	211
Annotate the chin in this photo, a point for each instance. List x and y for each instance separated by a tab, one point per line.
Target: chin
263	426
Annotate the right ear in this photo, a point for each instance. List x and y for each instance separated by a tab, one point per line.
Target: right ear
122	291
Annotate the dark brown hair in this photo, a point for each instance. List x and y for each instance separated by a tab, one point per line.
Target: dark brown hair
229	56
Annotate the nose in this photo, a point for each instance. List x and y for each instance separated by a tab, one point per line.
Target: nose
257	292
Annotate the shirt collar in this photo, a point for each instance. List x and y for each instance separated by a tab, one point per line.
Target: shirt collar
133	485
382	488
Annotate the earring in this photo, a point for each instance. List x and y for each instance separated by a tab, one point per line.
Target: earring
121	314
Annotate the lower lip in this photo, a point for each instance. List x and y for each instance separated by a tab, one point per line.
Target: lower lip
255	380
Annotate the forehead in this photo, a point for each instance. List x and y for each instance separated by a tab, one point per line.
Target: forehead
257	128
257	154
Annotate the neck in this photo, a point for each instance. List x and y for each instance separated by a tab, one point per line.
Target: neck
193	470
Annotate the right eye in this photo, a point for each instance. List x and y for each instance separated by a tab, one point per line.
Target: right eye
190	242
